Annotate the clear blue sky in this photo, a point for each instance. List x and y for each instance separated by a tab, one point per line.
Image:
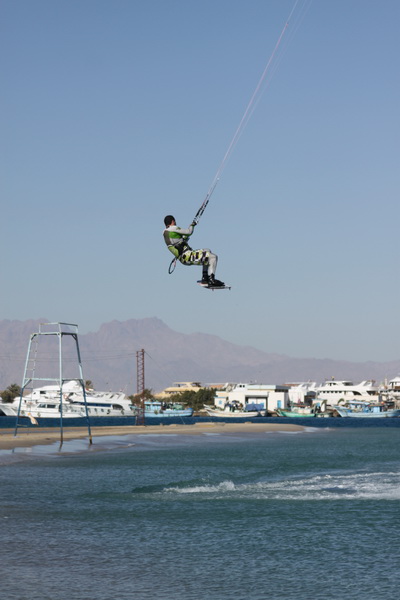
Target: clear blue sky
116	113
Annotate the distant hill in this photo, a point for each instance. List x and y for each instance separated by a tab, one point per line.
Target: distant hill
109	358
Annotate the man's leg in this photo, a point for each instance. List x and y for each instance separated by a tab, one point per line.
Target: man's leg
205	258
212	263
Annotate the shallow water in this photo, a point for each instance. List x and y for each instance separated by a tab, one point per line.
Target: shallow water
245	516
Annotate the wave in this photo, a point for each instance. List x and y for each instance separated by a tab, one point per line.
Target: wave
224	486
341	486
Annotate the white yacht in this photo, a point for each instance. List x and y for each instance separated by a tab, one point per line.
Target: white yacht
390	391
7	409
45	402
334	390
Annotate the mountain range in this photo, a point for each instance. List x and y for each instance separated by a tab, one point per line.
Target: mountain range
109	358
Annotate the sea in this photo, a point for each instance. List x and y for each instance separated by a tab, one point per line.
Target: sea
313	514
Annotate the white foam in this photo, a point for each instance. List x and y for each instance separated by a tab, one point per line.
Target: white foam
343	486
307	429
224	486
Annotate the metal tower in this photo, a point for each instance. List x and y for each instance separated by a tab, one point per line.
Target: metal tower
59	331
140	418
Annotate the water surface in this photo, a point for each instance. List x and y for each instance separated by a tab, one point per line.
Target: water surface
281	516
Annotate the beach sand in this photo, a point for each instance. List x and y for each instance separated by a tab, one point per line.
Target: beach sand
42	436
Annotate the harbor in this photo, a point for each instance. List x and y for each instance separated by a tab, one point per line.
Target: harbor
333	398
46	395
56	393
54	386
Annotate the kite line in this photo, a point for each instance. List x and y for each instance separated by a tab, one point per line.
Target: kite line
269	70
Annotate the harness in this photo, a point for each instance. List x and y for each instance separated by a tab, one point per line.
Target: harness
181	247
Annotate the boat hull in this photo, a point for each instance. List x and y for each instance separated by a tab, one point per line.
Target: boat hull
360	414
169	413
236	414
162	409
294	413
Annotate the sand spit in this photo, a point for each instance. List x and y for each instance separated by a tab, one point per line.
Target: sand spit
41	436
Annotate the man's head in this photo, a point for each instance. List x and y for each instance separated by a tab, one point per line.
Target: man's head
169	220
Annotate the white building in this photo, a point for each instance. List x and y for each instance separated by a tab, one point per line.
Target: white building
266	396
178	387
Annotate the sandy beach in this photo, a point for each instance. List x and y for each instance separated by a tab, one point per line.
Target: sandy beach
41	436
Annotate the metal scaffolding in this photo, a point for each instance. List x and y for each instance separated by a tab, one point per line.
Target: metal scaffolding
60	331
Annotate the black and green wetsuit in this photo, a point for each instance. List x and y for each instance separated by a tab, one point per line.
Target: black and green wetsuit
176	239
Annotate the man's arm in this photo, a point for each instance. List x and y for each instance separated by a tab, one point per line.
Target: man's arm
187	232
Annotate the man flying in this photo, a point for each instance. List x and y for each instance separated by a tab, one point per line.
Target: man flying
176	240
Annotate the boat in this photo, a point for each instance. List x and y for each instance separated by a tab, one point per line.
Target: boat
7	410
296	412
154	408
235	410
318	409
365	410
45	402
51	410
334	390
391	391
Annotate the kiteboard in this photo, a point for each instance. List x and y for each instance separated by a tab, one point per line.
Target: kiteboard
214	287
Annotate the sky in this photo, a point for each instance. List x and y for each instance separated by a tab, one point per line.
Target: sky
115	113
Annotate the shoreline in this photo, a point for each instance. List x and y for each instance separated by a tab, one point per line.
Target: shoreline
29	438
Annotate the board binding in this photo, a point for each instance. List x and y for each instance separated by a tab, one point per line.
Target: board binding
214	287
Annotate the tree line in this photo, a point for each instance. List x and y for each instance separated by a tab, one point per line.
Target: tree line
195	400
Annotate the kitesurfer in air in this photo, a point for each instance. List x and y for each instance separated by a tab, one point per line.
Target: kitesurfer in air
176	239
